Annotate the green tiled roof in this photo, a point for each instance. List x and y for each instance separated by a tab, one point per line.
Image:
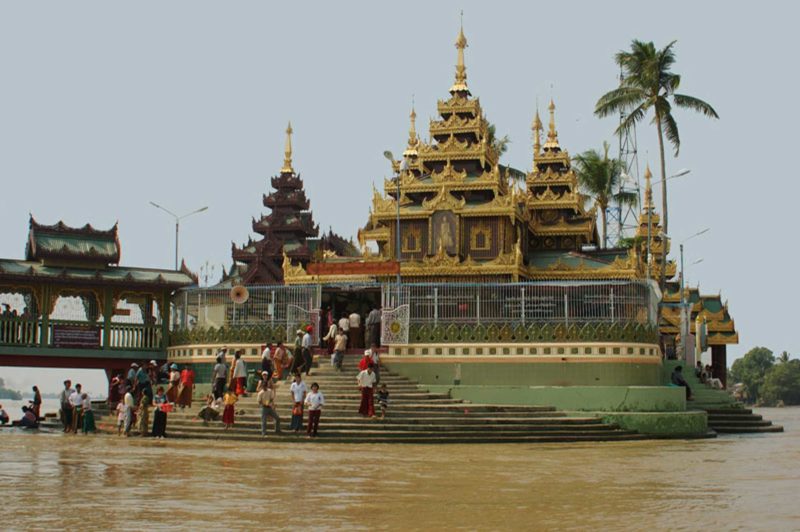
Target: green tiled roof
544	259
30	270
76	245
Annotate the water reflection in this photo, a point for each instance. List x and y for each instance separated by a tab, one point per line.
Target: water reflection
91	482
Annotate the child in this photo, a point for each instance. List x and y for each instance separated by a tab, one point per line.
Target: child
314	401
88	415
229	400
120	417
383	400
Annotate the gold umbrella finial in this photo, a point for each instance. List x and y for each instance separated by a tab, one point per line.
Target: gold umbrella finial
287	152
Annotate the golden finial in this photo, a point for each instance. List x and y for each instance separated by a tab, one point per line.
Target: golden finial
287	152
648	188
536	126
552	134
461	70
413	141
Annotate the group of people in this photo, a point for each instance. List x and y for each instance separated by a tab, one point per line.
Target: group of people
369	382
31	413
76	409
134	396
705	375
349	328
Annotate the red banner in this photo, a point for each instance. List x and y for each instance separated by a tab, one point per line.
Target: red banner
354	268
76	336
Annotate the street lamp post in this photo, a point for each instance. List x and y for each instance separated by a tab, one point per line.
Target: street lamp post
650	214
684	313
177	223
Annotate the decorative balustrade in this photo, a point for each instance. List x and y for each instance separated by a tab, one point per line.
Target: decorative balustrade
75	334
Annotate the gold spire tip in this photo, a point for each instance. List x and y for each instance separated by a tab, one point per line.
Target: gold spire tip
460	84
552	134
287	152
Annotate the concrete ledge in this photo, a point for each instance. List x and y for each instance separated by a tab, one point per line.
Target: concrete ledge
692	424
579	398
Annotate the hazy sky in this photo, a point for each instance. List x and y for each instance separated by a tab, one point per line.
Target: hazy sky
105	106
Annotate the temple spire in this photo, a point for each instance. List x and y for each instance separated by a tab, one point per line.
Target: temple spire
413	141
461	70
552	134
536	126
287	152
648	189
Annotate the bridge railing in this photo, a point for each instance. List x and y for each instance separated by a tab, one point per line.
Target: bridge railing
19	331
76	334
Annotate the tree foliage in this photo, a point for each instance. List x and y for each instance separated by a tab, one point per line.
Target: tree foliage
782	383
751	369
600	178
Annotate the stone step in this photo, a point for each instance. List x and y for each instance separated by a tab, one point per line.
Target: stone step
389	421
426	439
733	410
735	417
716	422
368	427
735	429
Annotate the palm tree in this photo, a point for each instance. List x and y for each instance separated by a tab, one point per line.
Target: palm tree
647	83
500	145
784	358
600	177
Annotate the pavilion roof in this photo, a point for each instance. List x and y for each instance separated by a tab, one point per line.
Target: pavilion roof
60	242
34	271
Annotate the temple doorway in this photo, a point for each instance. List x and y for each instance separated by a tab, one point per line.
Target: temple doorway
341	301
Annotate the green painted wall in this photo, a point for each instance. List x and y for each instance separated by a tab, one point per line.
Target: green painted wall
585	398
531	374
691	424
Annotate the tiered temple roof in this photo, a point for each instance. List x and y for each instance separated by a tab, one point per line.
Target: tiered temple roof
289	229
558	219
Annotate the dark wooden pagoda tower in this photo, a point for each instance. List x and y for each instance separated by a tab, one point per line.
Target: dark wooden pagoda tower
287	229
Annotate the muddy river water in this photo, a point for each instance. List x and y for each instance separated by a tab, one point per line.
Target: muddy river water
52	481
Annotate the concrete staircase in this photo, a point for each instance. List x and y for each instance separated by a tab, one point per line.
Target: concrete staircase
415	416
725	414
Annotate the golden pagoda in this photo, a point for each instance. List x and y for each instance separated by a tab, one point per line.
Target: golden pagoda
458	214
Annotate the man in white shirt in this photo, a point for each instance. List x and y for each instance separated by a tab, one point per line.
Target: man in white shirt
356	336
366	383
344	326
374	327
219	376
314	401
66	407
298	390
305	345
239	373
266	399
76	403
128	412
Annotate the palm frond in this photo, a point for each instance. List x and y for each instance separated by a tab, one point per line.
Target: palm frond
695	104
670	128
633	118
619	99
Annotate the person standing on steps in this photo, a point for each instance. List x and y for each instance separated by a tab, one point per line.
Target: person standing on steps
266	400
375	359
330	338
383	400
240	374
297	353
308	359
76	402
186	388
366	383
344	326
280	360
355	336
314	401
267	365
88	424
160	400
298	390
229	413
130	404
174	383
374	327
220	376
338	350
66	407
